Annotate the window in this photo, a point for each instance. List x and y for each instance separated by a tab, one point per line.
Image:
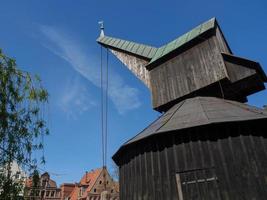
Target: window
52	193
17	175
82	190
107	182
111	191
100	182
197	184
94	190
44	183
47	193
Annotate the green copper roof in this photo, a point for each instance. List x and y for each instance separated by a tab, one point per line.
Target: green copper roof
185	38
151	53
127	46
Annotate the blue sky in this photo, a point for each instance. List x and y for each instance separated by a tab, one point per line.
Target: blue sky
56	39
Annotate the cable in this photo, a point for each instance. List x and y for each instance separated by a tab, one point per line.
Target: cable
102	108
222	93
106	111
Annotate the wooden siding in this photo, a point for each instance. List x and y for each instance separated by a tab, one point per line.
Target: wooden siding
221	42
204	68
135	64
233	155
198	67
237	72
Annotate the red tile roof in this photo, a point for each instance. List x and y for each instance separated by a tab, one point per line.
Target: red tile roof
88	180
74	194
90	177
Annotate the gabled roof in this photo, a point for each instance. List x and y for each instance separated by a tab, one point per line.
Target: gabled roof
88	180
182	40
153	54
142	50
200	111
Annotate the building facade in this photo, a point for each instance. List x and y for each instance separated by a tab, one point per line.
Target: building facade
46	189
92	186
18	175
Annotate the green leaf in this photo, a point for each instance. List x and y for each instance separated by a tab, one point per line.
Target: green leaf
21	122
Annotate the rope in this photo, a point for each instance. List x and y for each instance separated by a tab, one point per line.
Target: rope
106	110
104	106
222	93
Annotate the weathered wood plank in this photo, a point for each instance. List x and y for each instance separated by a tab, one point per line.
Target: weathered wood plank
233	158
191	70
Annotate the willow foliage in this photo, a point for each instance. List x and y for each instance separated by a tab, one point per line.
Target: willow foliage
22	124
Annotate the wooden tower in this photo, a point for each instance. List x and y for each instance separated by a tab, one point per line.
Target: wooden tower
208	144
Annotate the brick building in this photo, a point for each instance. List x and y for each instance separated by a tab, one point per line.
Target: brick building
66	190
45	190
92	185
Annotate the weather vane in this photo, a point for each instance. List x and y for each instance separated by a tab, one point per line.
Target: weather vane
101	23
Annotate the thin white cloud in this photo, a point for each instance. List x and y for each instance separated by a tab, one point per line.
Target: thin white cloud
123	96
75	99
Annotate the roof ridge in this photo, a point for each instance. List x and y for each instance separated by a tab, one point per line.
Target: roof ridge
154	121
203	109
256	109
185	38
181	104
